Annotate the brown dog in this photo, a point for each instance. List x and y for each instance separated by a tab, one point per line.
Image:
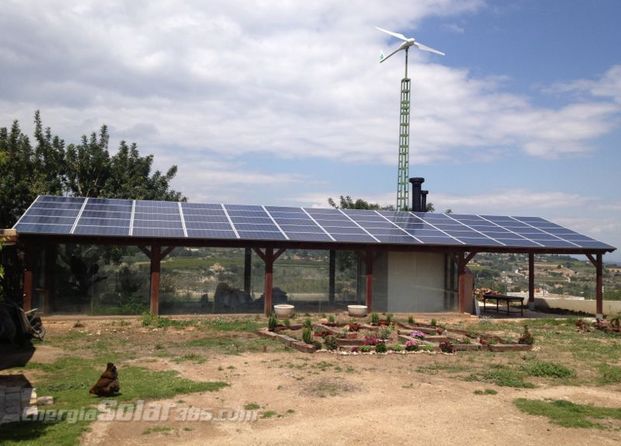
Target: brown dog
108	382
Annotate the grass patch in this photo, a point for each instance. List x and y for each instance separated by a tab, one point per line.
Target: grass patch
247	325
157	430
192	357
154	321
269	414
485	392
329	387
252	406
609	374
436	367
68	380
503	377
568	414
547	369
233	345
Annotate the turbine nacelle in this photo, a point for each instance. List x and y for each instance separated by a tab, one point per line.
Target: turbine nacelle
407	43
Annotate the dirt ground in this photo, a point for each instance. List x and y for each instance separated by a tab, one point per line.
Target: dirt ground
325	397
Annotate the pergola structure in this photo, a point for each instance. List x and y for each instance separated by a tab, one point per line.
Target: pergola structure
158	227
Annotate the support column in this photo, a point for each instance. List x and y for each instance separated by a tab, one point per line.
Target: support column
368	261
156	255
247	270
531	281
269	277
28	263
599	287
332	276
461	278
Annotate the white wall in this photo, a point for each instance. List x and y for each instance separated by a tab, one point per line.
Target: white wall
415	282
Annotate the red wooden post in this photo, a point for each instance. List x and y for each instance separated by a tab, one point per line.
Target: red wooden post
269	272
461	286
155	278
368	260
599	287
27	297
531	281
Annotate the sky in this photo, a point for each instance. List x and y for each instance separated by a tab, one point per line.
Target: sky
286	103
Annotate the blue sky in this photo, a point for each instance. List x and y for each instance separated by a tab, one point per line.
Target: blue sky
286	103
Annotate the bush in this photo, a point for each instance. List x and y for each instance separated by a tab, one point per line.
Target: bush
396	348
331	319
317	345
384	333
389	318
375	319
272	322
287	323
527	337
381	348
371	340
330	343
434	322
307	335
447	347
365	348
308	323
411	346
548	369
410	320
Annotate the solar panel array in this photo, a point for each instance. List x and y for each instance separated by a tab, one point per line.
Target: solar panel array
164	219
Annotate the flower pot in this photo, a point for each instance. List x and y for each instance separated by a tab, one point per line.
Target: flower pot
357	310
284	311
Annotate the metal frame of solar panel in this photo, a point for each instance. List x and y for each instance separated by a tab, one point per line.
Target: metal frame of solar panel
165	219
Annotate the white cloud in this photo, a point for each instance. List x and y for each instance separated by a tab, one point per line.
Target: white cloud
607	86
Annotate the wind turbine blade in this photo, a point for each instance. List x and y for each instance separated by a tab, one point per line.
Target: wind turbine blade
382	59
420	46
397	35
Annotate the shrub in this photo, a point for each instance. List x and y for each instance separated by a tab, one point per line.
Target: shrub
411	346
548	369
426	348
287	323
371	340
365	348
307	335
317	345
330	342
272	322
417	334
410	319
434	322
381	348
375	319
384	333
331	319
308	323
389	318
396	348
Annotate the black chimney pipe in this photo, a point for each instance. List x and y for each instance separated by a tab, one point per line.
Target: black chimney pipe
416	193
423	201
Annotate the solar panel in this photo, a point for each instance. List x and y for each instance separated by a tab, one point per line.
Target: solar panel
163	219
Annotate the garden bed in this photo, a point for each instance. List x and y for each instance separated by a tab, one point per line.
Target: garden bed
385	336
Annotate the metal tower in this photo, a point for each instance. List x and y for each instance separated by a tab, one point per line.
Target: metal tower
403	170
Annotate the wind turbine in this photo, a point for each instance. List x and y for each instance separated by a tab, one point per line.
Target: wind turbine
403	171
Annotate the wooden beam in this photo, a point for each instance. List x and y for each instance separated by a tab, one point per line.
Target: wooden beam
145	250
49	278
260	253
166	251
155	278
592	259
332	276
279	253
470	256
268	285
599	287
531	281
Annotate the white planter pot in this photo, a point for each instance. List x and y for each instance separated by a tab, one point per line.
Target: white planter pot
357	310
284	311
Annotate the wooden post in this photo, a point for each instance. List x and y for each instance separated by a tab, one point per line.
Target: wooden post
531	281
368	260
28	261
155	278
332	276
461	277
269	277
599	287
247	270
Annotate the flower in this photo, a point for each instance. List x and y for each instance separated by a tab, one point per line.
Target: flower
417	334
371	340
411	345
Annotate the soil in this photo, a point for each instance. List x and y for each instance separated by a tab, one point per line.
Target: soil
381	397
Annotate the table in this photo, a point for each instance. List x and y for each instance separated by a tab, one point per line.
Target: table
502	297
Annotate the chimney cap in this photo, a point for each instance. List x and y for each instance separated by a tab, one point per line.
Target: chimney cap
417	180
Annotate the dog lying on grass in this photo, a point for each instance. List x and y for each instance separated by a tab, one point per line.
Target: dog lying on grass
108	382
